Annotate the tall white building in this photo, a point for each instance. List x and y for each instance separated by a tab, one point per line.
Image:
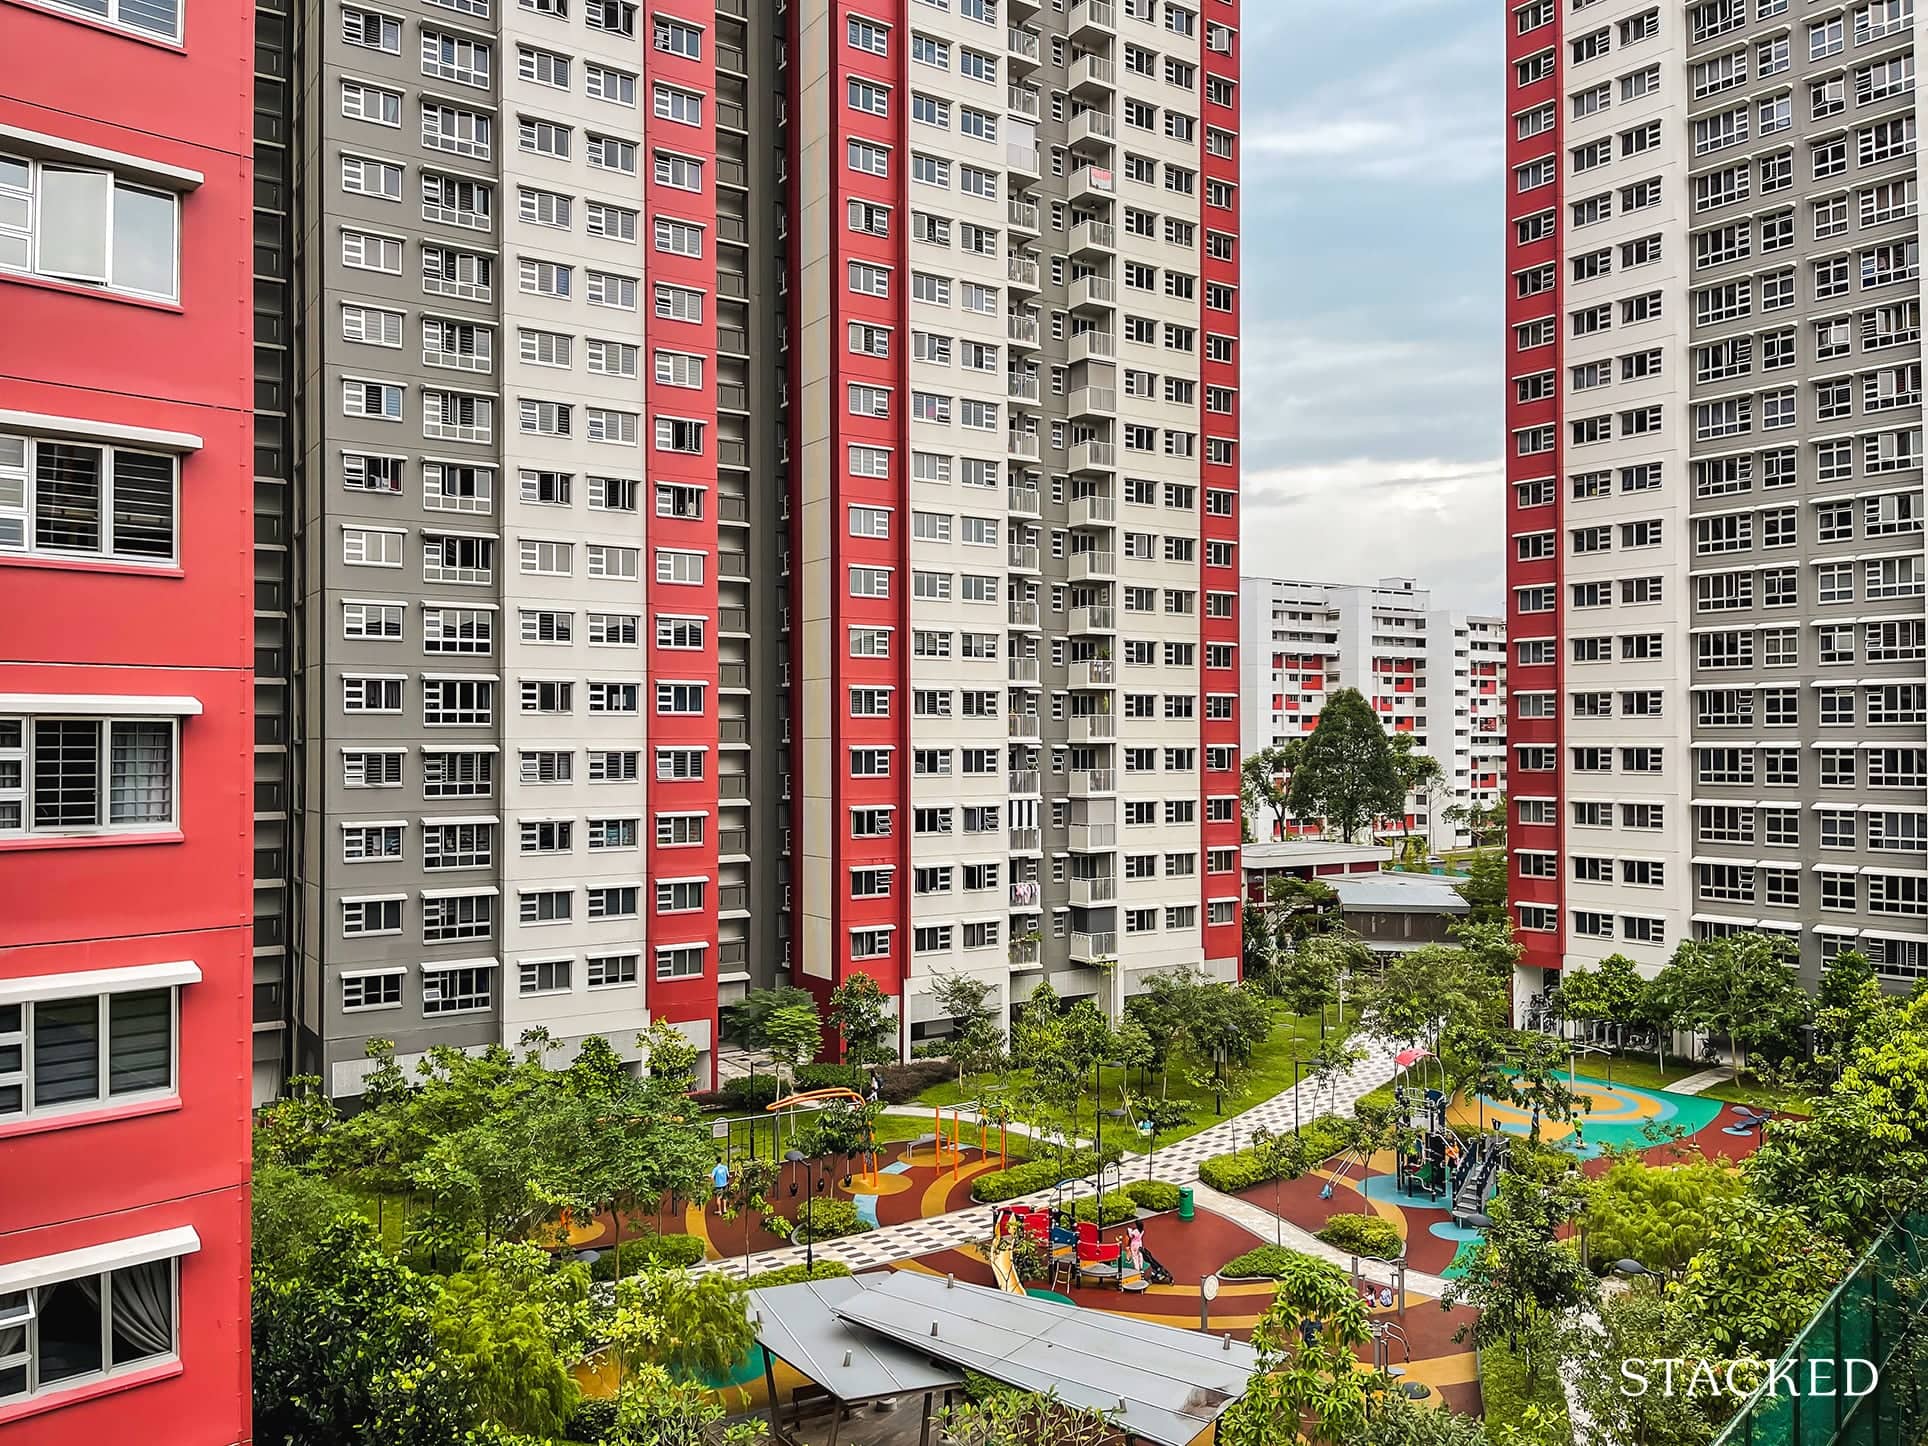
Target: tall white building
1434	673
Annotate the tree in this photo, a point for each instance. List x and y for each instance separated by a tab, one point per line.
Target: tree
1484	824
1611	992
977	1029
1423	989
1022	1418
747	1018
1638	1323
1308	1387
1346	775
1397	1421
1418	773
345	1351
1258	941
512	1326
1484	887
1301	908
1759	1277
1523	1277
1743	985
1661	1217
1265	781
861	1016
1307	979
792	1033
668	1056
1540	1081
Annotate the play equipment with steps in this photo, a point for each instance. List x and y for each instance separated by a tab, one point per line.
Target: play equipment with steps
1478	1179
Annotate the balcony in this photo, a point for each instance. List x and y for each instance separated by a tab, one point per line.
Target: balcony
1093	620
1022	100
1024	558
1023	330
1091	21
1026	780
1092	183
1094	892
1093	402
1088	344
1023	389
1025	953
1093	728
1024	501
1024	670
1094	238
1022	726
1094	673
1094	838
1021	159
1091	948
1093	511
1097	565
1026	841
1093	782
1022	45
1092	77
1024	615
1091	132
1094	456
1024	216
1023	272
1022	444
1090	293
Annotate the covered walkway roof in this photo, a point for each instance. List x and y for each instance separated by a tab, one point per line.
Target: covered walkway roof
1155	1383
799	1325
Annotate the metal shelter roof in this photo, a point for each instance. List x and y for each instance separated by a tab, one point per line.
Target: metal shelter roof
798	1324
1157	1383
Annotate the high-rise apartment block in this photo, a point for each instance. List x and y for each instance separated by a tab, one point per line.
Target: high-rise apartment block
1714	474
125	721
743	494
1012	368
1435	674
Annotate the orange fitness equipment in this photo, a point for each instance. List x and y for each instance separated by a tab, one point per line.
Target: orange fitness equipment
862	1181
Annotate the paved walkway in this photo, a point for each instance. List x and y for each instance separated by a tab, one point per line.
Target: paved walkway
1696	1083
1177	1163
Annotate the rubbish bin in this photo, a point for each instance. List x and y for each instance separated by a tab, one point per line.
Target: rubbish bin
1185	1206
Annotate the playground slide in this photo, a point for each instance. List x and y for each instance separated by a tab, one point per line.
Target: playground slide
1004	1267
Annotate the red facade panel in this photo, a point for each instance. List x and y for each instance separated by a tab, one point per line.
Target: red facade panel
172	638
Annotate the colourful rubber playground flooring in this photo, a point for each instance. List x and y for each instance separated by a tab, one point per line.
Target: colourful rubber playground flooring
1193	1249
1619	1116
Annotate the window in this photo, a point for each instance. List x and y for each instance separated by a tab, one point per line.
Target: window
61	1052
68	775
71	223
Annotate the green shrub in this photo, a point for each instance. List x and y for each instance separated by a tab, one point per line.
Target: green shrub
830	1076
1241	1170
1160	1195
1364	1235
796	1274
825	1220
1267	1262
594	1420
1116	1207
1034	1175
638	1255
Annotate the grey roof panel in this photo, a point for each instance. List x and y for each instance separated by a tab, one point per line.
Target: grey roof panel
798	1324
1162	1384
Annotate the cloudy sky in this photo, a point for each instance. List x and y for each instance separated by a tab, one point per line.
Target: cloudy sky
1373	149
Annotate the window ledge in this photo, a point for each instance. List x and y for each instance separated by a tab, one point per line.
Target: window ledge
96	293
90	841
106	1114
91	564
73	1396
87	22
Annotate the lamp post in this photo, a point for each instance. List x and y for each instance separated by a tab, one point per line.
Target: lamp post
816	1180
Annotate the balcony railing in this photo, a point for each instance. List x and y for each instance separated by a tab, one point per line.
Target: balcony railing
1023	500
1094	728
1093	673
1092	782
1026	841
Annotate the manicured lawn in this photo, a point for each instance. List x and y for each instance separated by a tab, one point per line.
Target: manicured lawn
1270	1074
1643	1071
1505	1393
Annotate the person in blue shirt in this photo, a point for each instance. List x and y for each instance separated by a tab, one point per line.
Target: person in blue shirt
720	1181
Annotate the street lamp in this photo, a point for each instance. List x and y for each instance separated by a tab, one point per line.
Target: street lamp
816	1180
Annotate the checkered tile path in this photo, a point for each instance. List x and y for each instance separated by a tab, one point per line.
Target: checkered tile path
1178	1163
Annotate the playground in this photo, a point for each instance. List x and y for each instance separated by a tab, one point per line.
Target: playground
1435	1190
904	1171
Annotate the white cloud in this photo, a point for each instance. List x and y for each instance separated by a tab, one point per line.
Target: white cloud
1436	520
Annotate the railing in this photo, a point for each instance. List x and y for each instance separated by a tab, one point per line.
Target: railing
1023	444
1091	70
1100	890
1021	725
1093	511
1023	500
1094	401
1093	456
1023	270
1093	564
1087	14
1087	781
1022	389
1025	951
1024	614
1089	838
1022	100
1024	670
1025	841
1086	344
1022	43
1093	673
1026	780
1093	728
1089	947
1094	236
1021	157
1093	291
1024	215
1023	329
1093	620
1091	125
1024	557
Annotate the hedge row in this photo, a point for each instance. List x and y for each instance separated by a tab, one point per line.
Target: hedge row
1034	1175
1116	1208
1364	1235
1266	1262
1160	1195
824	1220
902	1083
1242	1169
639	1254
796	1274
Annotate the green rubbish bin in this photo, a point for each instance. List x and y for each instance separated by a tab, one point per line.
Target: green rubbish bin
1185	1207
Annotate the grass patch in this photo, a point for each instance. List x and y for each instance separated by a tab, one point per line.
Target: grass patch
1264	1262
1505	1392
1270	1073
1643	1071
